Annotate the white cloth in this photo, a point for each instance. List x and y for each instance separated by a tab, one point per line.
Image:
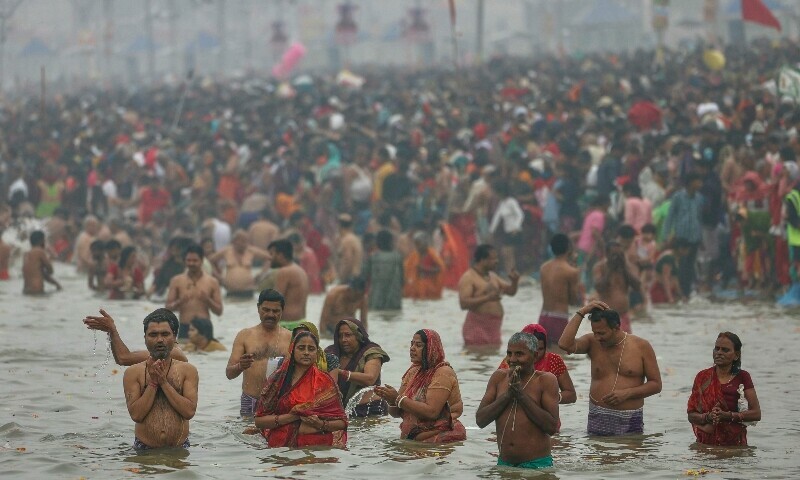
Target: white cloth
221	235
510	213
19	184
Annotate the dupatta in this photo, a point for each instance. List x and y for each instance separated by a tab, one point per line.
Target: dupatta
367	350
706	394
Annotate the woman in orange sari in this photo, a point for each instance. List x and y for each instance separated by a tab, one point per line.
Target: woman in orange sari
429	399
300	404
716	410
454	254
423	271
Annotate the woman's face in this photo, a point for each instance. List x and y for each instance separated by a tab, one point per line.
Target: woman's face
305	351
416	350
194	334
724	353
541	350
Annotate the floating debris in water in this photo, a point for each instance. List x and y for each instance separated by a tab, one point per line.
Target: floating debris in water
698	472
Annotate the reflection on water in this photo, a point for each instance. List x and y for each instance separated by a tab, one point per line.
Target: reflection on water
58	397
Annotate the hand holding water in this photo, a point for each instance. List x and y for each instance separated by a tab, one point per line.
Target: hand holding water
245	361
388	393
104	322
158	372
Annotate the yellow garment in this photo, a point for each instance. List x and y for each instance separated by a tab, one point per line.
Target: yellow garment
322	362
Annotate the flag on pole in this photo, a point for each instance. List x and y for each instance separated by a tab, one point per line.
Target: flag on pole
452	12
755	11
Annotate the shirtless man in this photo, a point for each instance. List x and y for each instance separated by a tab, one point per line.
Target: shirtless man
97	272
239	256
614	279
193	293
350	252
479	292
526	397
343	301
36	267
561	287
122	355
624	370
90	233
289	278
254	346
161	392
262	232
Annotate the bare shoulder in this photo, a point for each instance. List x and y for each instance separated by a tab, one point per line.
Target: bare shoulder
178	280
547	379
134	371
498	375
641	342
185	367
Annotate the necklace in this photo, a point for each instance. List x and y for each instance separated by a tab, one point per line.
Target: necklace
619	364
514	411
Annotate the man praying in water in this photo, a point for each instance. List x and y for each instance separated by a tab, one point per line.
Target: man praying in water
521	395
161	392
624	370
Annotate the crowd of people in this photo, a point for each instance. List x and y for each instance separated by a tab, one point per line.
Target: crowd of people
670	178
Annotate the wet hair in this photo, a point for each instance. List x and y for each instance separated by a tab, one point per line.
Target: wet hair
610	316
737	347
626	231
649	228
559	244
529	340
424	337
112	245
358	284
295	238
271	295
162	315
125	254
482	252
37	238
284	247
204	327
193	248
384	240
97	246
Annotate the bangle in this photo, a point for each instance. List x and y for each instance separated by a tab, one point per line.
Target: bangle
276	422
154	385
400	401
324	424
705	418
578	313
348	375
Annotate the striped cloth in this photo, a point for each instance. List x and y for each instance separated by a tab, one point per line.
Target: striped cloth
605	421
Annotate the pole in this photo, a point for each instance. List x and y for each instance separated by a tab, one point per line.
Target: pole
479	31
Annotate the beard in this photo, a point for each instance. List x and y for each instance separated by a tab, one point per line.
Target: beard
160	354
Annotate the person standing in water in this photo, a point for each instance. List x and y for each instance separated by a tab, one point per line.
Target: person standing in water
525	394
343	301
291	280
239	257
193	293
624	370
561	287
161	392
479	292
36	267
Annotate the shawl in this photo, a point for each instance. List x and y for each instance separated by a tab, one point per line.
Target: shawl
706	394
368	350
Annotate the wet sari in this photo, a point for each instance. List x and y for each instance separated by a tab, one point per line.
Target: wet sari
421	283
434	373
368	350
314	394
706	394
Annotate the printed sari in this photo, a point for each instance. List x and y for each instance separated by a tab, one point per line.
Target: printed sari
434	373
706	394
314	394
368	350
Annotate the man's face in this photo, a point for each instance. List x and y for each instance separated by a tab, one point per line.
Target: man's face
159	340
240	243
113	254
270	312
518	355
347	340
492	261
625	242
604	334
647	237
276	261
193	262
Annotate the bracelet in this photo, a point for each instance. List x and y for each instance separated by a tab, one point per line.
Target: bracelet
154	385
348	375
578	313
400	401
276	422
705	418
324	424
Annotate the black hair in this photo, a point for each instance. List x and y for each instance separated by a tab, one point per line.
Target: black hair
600	200
610	316
37	238
358	284
97	245
649	228
482	252
626	231
125	254
284	247
193	248
204	327
559	244
162	315
384	240
737	347
271	295
112	244
287	382
345	222
424	337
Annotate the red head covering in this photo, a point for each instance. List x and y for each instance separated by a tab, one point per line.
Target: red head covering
433	358
534	328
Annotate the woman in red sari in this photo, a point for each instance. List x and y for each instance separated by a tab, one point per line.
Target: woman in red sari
300	404
713	408
429	400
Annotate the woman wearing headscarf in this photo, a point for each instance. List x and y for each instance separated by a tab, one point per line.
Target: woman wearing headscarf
327	362
429	398
723	398
300	405
361	361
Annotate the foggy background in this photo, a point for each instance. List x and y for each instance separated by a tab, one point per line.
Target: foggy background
86	42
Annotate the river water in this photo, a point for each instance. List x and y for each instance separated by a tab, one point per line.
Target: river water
63	415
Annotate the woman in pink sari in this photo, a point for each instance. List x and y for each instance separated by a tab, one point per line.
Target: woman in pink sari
429	399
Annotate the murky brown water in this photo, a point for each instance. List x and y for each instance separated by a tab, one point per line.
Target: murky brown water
62	412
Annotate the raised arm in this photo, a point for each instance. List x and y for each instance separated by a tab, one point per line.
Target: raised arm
510	287
567	342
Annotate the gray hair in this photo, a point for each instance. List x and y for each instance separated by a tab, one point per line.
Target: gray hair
525	338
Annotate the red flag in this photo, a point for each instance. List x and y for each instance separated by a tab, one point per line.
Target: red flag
755	11
452	12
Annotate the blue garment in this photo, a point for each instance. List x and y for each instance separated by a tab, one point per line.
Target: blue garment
683	219
535	464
